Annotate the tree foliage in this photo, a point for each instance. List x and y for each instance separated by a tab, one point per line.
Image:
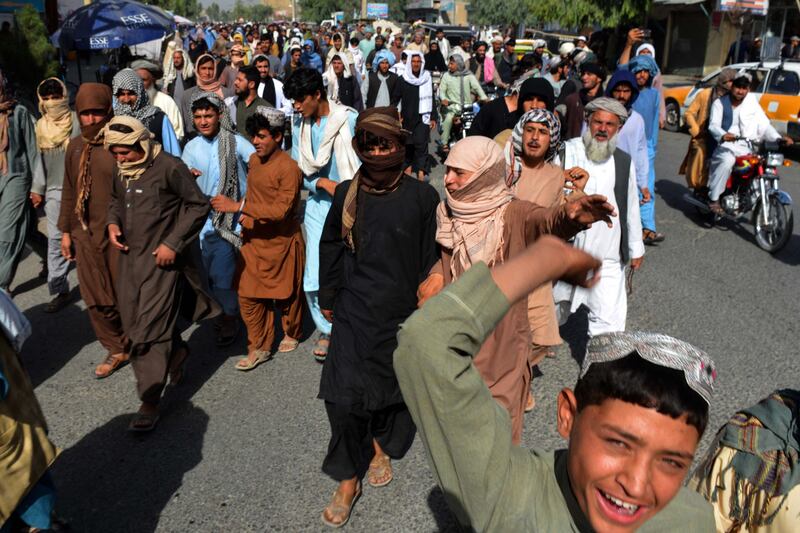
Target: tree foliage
186	8
255	12
26	53
319	10
568	13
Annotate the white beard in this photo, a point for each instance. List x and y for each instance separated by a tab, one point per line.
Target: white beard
151	93
598	151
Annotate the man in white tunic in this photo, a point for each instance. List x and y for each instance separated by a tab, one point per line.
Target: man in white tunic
612	174
736	115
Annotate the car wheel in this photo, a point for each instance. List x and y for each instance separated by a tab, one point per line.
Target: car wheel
673	119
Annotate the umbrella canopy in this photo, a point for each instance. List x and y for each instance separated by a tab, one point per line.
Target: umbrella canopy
113	23
182	20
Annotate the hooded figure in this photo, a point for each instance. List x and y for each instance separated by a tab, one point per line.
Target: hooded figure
310	57
632	138
434	60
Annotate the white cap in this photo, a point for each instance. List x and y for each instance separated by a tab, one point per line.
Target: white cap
566	49
581	38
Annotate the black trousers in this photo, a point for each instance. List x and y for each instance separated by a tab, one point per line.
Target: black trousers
352	429
417	148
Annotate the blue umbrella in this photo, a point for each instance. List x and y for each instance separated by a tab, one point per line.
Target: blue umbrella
112	24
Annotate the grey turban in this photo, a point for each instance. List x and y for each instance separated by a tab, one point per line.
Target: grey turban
610	105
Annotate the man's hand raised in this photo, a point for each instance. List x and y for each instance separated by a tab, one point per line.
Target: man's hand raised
589	209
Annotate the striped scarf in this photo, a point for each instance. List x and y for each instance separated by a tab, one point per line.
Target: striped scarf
128	80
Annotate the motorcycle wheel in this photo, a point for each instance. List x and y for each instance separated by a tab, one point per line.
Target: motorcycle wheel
773	239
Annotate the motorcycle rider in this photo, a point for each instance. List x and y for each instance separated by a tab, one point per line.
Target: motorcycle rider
737	115
457	90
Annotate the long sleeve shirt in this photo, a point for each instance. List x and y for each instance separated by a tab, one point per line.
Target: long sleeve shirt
749	121
632	140
489	484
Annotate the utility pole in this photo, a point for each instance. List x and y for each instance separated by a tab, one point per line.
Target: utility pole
363	9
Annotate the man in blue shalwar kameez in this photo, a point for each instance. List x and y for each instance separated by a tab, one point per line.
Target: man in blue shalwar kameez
322	146
218	158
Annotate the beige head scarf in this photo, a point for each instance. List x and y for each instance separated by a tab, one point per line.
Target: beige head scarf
470	221
54	129
131	170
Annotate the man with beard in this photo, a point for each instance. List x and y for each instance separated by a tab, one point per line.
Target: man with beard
155	213
418	114
380	44
483	68
218	160
482	222
273	252
53	132
381	83
557	72
132	101
632	137
20	165
88	178
267	49
592	76
322	134
179	77
736	115
506	63
533	177
612	174
270	88
247	99
377	245
150	73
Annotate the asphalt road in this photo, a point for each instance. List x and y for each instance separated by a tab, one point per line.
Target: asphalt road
242	452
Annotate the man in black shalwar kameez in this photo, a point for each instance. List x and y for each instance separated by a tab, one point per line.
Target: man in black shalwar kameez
377	245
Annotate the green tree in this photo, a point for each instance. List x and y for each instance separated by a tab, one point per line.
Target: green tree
319	10
27	53
488	12
577	13
214	12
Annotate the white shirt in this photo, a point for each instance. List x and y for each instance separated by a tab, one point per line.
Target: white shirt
749	121
281	102
165	103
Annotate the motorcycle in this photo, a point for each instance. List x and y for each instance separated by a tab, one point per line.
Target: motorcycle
753	187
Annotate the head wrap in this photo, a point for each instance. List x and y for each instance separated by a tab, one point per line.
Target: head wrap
662	350
213	85
593	68
471	220
623	76
275	117
727	75
646	46
170	72
131	170
514	149
640	63
423	81
54	129
611	105
461	66
538	87
7	103
128	80
378	174
380	57
149	66
228	185
566	49
331	79
95	96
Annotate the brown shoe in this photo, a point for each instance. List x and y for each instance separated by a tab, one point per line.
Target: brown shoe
112	363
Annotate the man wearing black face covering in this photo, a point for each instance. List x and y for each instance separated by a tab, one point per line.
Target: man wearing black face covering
377	243
503	113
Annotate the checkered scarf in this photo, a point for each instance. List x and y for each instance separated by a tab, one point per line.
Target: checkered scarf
224	223
513	149
128	80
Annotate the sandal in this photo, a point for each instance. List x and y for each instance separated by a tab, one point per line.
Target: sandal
321	348
112	363
143	423
339	509
530	405
177	368
380	471
288	344
247	364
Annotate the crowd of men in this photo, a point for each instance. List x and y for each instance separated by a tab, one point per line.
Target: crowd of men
176	191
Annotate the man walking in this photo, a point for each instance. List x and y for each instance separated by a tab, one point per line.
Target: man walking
613	175
150	73
179	77
632	136
418	114
247	99
218	158
322	134
572	115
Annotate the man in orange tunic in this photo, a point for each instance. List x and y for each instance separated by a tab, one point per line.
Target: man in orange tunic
272	256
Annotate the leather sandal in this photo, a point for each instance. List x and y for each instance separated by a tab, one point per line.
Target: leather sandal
288	344
246	364
340	510
321	348
143	423
112	363
380	471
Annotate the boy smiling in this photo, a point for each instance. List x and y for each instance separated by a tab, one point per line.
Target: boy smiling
633	420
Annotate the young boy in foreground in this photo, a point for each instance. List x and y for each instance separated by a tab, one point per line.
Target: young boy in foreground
633	420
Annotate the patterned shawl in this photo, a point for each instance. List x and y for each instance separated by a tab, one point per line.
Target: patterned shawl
128	80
